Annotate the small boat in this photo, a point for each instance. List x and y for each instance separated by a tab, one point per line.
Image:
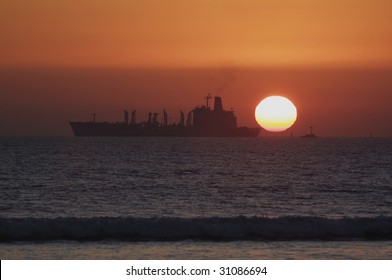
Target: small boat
310	135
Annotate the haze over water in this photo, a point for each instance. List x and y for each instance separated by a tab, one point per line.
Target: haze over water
339	102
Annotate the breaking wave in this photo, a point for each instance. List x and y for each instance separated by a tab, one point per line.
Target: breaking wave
207	228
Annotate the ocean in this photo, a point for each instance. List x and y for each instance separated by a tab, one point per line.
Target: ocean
195	198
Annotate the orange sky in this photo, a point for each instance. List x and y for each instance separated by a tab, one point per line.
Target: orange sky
195	33
61	60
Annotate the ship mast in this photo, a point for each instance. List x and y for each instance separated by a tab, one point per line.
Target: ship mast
207	98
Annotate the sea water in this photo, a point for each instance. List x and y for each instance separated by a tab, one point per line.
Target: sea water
195	198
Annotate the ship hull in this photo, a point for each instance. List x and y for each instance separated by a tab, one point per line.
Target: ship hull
91	129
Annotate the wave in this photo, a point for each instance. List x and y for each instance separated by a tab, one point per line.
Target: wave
205	228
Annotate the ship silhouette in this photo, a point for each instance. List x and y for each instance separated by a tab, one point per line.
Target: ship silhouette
202	121
310	135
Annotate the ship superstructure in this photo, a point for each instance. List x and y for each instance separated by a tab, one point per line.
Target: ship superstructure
202	121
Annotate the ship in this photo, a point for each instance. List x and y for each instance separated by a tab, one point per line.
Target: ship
310	135
202	121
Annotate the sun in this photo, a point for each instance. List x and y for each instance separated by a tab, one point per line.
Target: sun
276	113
